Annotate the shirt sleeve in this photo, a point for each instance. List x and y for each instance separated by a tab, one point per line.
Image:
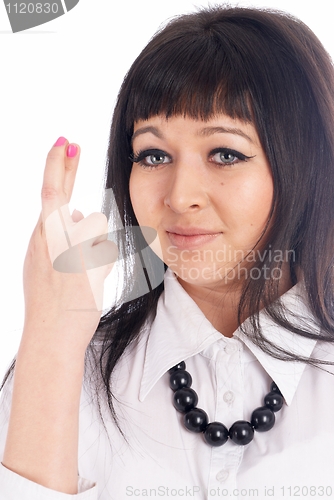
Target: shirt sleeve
16	487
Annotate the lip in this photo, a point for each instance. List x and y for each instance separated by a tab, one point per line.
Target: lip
190	237
190	231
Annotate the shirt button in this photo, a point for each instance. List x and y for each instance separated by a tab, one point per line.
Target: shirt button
228	397
230	348
222	475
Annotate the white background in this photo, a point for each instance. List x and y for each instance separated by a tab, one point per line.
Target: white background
62	78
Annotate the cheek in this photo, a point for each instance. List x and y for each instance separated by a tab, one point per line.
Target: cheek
144	198
258	200
144	204
133	189
263	197
136	194
250	202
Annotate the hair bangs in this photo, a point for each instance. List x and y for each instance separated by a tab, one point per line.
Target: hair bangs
195	78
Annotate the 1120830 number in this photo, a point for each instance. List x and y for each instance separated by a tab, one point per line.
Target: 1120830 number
30	8
304	491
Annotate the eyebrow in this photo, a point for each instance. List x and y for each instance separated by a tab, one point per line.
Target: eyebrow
204	132
207	131
145	130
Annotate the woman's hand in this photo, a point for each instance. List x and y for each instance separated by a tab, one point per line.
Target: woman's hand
68	257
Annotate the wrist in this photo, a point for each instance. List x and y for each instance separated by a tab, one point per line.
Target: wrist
53	343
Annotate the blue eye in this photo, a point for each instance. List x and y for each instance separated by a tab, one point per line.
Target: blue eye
226	156
151	157
156	159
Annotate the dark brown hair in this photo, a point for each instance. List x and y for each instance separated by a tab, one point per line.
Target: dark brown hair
264	67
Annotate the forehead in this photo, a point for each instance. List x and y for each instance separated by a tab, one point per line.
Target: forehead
162	127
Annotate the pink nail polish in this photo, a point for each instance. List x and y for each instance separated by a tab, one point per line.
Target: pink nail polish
60	142
71	151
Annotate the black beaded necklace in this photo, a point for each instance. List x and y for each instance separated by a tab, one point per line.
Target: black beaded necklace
215	433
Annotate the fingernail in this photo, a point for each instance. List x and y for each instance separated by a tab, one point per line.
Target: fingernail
60	142
71	150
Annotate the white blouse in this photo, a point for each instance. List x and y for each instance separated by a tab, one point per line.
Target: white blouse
158	457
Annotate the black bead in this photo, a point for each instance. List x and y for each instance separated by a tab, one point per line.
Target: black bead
241	432
263	419
274	388
274	401
196	420
185	399
180	379
216	434
179	366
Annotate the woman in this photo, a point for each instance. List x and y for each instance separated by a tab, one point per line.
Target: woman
222	142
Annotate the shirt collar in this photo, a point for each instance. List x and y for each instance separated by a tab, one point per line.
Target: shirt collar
180	330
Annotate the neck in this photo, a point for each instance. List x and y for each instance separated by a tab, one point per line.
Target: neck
220	305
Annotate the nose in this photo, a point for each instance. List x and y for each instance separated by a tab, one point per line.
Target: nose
186	190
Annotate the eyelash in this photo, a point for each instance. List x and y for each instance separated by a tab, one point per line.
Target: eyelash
141	155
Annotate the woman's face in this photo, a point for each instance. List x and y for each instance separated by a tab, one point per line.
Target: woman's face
206	188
